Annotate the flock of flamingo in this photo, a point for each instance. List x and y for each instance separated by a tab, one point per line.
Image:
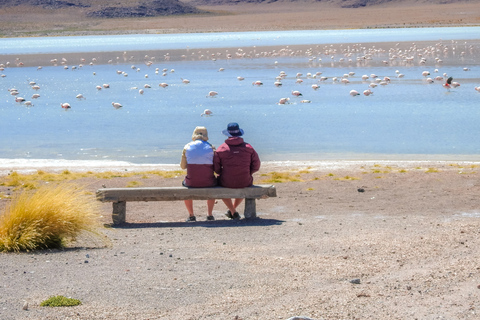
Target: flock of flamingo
339	56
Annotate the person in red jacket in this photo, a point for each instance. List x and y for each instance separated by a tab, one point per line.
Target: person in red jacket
197	158
235	161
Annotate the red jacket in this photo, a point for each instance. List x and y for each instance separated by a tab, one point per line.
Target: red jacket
235	161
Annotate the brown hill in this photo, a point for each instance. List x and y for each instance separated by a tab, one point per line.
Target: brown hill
80	17
118	9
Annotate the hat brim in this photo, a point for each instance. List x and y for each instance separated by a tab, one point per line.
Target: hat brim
228	134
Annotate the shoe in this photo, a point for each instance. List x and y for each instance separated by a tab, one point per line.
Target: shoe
210	218
229	214
236	216
191	218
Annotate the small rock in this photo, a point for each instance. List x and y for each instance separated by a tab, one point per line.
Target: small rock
25	305
355	281
361	190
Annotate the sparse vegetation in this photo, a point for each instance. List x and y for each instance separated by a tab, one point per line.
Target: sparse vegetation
133	184
280	177
33	181
347	178
49	217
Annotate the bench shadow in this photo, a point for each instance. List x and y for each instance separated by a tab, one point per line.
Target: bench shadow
256	222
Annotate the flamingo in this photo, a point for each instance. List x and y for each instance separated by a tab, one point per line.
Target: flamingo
28	103
106	85
447	85
367	92
297	93
425	73
186	81
477	89
35	96
239	78
354	93
305	101
65	105
116	105
257	83
207	113
212	94
277	83
80	96
283	100
141	91
163	85
19	99
315	86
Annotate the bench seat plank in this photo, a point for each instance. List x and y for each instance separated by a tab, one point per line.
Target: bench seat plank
183	193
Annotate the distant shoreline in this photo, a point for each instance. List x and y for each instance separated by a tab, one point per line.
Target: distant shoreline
28	166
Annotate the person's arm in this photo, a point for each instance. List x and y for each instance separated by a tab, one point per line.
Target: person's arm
183	162
255	164
217	166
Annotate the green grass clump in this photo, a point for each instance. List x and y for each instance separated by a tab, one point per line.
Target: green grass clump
48	217
60	301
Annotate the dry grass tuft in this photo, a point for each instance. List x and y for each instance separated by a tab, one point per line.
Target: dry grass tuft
280	177
50	217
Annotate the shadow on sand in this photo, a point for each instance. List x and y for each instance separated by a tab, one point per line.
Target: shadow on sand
256	222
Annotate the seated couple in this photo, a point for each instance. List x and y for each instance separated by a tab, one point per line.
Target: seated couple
234	162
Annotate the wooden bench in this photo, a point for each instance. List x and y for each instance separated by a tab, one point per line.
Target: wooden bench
120	196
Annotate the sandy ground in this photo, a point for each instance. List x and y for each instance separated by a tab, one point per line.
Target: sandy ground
407	247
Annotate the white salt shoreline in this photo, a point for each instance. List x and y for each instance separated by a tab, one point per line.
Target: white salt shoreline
26	166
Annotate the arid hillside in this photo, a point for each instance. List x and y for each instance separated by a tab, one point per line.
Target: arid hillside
81	17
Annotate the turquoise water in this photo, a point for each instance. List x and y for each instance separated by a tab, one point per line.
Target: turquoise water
406	119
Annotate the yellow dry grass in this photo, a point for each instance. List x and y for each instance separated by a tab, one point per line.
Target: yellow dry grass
49	217
31	181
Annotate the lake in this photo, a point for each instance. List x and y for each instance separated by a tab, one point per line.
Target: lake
407	117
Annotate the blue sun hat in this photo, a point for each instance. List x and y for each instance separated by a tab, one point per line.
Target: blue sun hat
233	130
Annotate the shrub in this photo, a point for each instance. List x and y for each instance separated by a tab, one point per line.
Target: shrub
50	217
60	301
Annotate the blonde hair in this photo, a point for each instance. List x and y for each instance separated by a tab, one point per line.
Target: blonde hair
200	133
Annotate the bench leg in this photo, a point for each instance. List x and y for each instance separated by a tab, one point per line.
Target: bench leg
119	212
250	209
